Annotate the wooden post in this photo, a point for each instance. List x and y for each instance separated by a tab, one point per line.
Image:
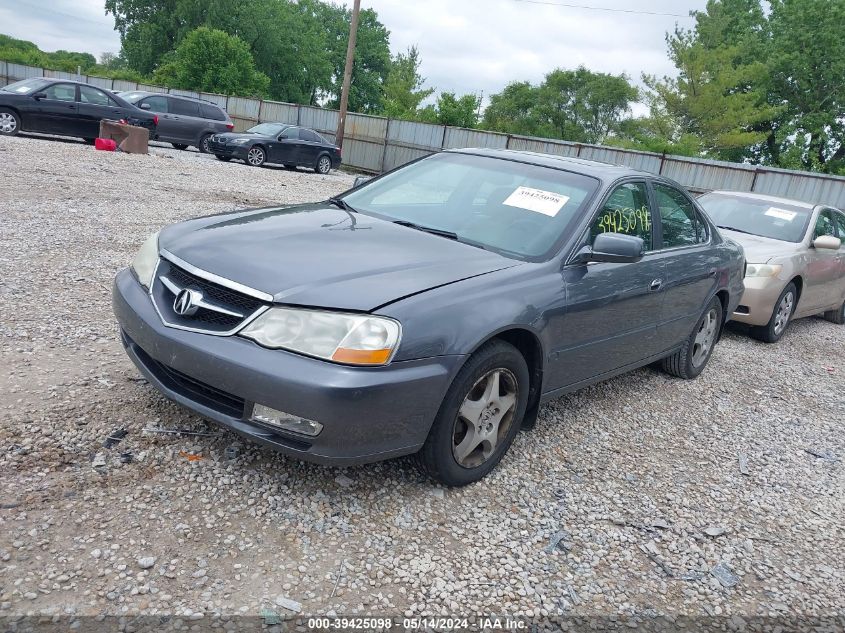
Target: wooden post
347	74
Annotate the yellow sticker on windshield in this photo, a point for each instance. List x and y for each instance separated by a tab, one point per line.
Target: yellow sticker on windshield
537	200
781	214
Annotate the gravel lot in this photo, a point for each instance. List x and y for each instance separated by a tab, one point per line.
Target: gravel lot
638	480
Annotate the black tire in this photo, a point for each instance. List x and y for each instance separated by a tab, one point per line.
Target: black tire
773	330
256	156
180	146
225	159
202	146
689	361
437	458
836	316
10	122
89	141
323	164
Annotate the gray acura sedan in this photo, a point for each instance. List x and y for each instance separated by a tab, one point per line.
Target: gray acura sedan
430	310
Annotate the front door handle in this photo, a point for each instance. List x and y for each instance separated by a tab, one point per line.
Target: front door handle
655	285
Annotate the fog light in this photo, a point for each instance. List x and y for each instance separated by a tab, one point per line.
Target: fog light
285	421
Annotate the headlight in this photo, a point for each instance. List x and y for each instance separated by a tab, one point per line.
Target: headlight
354	339
145	261
240	141
763	270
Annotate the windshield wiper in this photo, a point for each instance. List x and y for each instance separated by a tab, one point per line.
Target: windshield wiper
339	202
428	229
730	228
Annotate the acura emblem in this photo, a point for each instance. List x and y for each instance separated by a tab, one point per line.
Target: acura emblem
187	302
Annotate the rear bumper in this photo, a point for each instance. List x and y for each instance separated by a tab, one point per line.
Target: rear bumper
368	414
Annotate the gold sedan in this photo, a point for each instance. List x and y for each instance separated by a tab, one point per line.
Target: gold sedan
795	258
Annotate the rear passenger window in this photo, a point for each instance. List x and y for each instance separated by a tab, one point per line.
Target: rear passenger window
679	220
184	107
308	135
208	111
626	211
157	104
87	94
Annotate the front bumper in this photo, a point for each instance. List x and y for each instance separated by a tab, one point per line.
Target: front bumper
759	299
368	414
229	151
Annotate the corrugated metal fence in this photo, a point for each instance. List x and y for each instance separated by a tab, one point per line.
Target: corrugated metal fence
376	144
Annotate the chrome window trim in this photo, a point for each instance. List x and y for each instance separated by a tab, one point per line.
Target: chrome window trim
227	283
200	273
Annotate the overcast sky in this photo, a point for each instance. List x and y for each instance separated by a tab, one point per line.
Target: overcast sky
466	46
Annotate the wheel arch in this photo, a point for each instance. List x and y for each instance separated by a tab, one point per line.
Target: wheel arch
530	346
16	112
798	280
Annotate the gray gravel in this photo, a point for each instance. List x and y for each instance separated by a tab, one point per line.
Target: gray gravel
627	499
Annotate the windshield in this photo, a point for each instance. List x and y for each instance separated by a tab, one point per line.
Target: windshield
775	220
26	86
267	129
513	208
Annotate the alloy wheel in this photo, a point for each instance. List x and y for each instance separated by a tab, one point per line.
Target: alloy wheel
484	418
704	338
784	311
324	165
255	156
8	123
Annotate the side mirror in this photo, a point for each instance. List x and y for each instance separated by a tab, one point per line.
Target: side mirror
827	241
39	95
360	180
145	106
614	248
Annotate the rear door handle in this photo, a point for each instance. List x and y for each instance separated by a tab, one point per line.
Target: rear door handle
655	285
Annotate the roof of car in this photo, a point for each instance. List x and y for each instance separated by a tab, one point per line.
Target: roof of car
604	171
763	197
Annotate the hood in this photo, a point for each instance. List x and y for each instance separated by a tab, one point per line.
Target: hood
322	256
761	250
229	136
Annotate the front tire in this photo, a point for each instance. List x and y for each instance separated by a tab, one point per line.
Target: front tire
324	165
784	308
256	156
203	144
479	417
836	316
689	361
10	122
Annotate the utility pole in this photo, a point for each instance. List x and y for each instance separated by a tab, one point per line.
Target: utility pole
347	74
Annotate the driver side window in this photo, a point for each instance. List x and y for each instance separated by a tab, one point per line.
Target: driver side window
61	92
292	133
824	225
626	211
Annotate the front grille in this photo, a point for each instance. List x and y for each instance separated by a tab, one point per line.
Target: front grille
189	387
170	279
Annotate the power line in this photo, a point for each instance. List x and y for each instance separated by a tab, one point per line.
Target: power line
609	9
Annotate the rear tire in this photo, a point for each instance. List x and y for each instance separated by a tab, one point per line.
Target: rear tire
836	316
479	417
784	309
89	141
324	165
225	159
179	146
10	122
203	144
689	361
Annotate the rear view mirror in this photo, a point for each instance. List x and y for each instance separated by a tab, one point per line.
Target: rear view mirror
39	95
360	180
613	248
827	241
145	106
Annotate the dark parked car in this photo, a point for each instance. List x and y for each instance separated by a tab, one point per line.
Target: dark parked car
288	145
430	310
66	108
183	121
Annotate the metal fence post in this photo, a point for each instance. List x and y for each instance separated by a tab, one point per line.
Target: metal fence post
386	141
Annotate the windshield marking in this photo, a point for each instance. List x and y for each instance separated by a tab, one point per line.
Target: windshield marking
537	200
781	214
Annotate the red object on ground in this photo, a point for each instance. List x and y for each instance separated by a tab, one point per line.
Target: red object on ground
105	144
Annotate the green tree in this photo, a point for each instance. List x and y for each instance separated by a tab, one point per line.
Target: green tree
452	110
513	110
403	89
209	60
581	105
